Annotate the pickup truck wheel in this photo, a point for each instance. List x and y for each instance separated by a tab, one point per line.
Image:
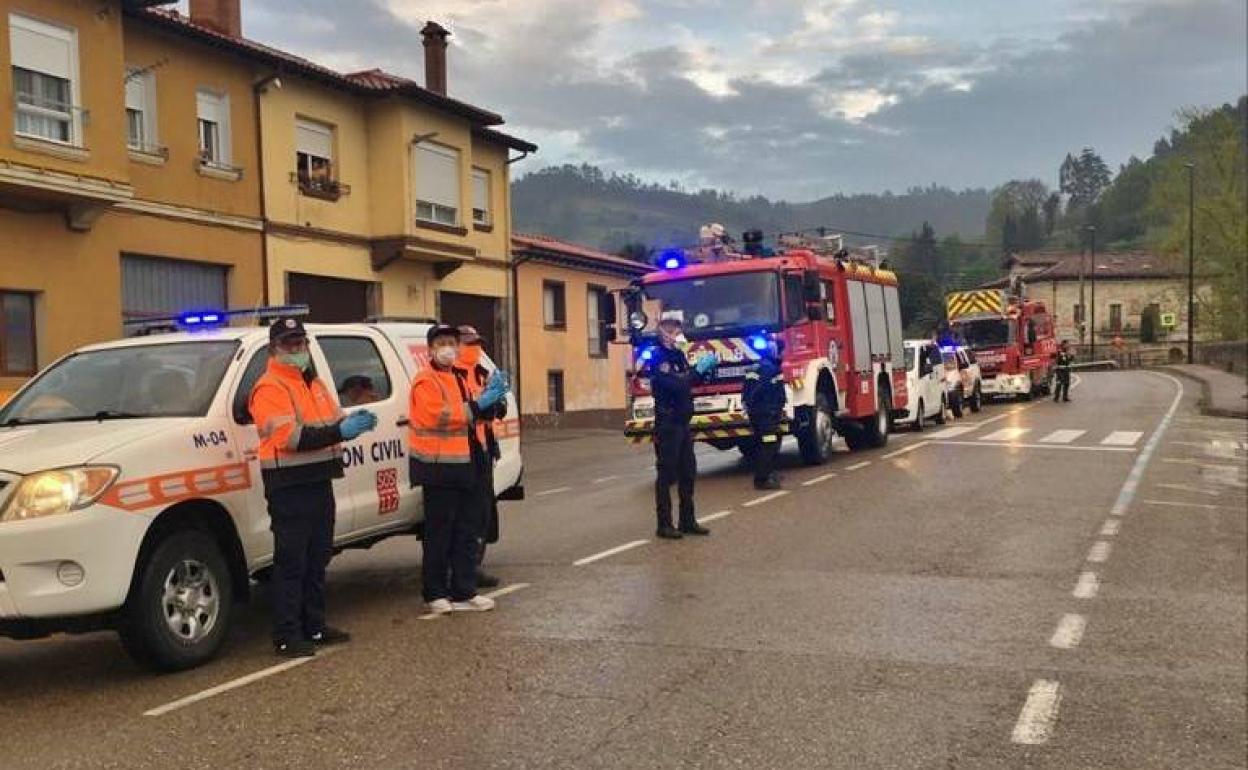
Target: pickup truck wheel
955	405
918	417
815	432
977	399
179	609
941	419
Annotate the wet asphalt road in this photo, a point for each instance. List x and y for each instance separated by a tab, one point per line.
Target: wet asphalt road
962	601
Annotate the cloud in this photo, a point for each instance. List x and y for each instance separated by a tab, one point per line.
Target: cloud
802	98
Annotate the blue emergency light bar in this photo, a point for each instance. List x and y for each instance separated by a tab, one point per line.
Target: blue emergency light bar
672	259
197	320
758	342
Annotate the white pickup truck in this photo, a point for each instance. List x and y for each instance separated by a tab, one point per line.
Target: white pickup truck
130	492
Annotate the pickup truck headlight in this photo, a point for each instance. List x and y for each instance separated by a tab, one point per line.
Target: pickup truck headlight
49	493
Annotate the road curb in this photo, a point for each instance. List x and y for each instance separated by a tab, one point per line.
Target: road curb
1206	397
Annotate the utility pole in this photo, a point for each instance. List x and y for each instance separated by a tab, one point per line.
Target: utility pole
1092	232
1191	260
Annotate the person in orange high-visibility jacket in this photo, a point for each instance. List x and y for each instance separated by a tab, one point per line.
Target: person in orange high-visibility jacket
449	461
301	430
470	351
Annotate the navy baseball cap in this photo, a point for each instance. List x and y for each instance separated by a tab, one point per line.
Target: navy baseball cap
442	330
286	327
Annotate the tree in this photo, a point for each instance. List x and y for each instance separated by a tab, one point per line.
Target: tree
1014	219
1052	210
1083	179
637	252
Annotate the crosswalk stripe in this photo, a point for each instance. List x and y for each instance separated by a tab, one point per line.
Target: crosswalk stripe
952	432
1005	434
1122	438
1062	436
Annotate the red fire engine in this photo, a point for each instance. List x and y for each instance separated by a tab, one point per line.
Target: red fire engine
1012	337
839	318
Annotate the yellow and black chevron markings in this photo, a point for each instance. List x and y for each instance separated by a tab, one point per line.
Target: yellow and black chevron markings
704	427
960	303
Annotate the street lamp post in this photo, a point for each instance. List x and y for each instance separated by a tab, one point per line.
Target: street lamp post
1191	261
1092	232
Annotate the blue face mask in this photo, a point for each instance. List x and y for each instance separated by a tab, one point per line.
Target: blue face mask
300	361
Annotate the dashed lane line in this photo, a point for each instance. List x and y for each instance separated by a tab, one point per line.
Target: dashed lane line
715	516
859	466
554	491
1035	721
605	479
1087	587
235	684
764	498
1069	631
904	450
609	552
1099	552
1110	528
818	479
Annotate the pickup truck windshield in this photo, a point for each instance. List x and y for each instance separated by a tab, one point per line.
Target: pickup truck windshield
175	379
720	303
987	333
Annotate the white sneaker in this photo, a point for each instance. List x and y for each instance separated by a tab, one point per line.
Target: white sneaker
440	607
477	603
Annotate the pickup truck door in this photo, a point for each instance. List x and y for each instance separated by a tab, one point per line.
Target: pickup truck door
365	372
934	382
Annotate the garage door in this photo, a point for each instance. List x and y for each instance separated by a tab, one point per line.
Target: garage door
152	286
331	300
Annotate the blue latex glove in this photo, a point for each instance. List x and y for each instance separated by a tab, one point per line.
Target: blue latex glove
495	389
356	423
705	365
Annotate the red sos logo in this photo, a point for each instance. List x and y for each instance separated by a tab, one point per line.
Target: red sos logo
387	490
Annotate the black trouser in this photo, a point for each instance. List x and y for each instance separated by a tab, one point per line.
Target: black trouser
766	447
673	449
1061	392
452	539
302	520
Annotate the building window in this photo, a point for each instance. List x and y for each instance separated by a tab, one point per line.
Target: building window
17	334
600	311
554	392
1115	317
481	197
314	159
437	184
45	68
213	112
141	111
554	306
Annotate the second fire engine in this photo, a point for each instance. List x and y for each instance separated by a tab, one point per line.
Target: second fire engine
1012	337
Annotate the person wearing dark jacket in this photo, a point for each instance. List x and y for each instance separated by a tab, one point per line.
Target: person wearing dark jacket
1061	392
764	398
672	381
470	350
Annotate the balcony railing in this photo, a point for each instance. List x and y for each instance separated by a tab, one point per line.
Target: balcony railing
323	188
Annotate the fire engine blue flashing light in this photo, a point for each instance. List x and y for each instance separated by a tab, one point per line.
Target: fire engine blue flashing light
647	354
758	342
672	259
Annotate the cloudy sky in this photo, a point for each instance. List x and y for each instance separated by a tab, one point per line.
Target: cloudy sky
803	98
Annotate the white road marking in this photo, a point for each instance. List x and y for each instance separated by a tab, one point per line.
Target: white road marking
1127	493
1075	381
818	479
1111	527
1069	631
605	479
1122	438
1226	450
764	498
1062	436
1005	434
954	431
1175	504
1016	445
903	450
1035	721
1099	552
608	552
234	684
1087	586
554	491
858	466
508	589
1190	488
714	516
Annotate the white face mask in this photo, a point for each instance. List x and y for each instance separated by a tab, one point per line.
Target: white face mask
445	356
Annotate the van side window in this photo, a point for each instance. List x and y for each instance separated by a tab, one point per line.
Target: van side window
242	397
359	375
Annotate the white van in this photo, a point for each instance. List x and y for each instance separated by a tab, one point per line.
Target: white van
130	492
925	385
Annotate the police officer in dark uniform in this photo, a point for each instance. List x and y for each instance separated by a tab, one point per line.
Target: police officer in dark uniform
764	398
1064	361
672	381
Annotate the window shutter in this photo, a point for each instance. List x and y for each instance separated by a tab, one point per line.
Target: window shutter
136	91
481	190
437	176
41	47
314	139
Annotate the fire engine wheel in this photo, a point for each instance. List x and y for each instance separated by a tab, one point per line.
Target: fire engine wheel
941	419
875	429
977	399
179	609
815	432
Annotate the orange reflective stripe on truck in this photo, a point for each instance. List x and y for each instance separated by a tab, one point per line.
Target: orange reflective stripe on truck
169	488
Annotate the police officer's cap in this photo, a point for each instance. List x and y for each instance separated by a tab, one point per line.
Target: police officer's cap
441	330
286	327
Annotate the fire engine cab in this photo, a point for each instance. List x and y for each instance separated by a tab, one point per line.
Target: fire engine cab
839	318
1012	337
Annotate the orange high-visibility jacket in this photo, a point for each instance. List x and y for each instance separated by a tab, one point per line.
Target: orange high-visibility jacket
442	419
297	419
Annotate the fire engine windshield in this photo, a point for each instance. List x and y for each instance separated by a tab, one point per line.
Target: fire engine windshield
171	380
986	333
715	304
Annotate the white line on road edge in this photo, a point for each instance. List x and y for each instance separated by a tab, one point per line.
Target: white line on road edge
1087	586
857	466
764	498
1099	552
234	684
1035	721
1069	631
714	516
1110	528
605	479
608	552
1137	471
1016	445
903	450
554	491
1206	506
818	479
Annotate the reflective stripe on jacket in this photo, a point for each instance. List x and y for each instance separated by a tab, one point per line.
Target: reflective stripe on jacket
284	405
442	421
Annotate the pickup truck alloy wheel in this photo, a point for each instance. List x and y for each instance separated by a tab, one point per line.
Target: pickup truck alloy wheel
192	600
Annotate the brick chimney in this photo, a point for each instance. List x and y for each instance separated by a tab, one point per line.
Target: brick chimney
435	56
224	16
